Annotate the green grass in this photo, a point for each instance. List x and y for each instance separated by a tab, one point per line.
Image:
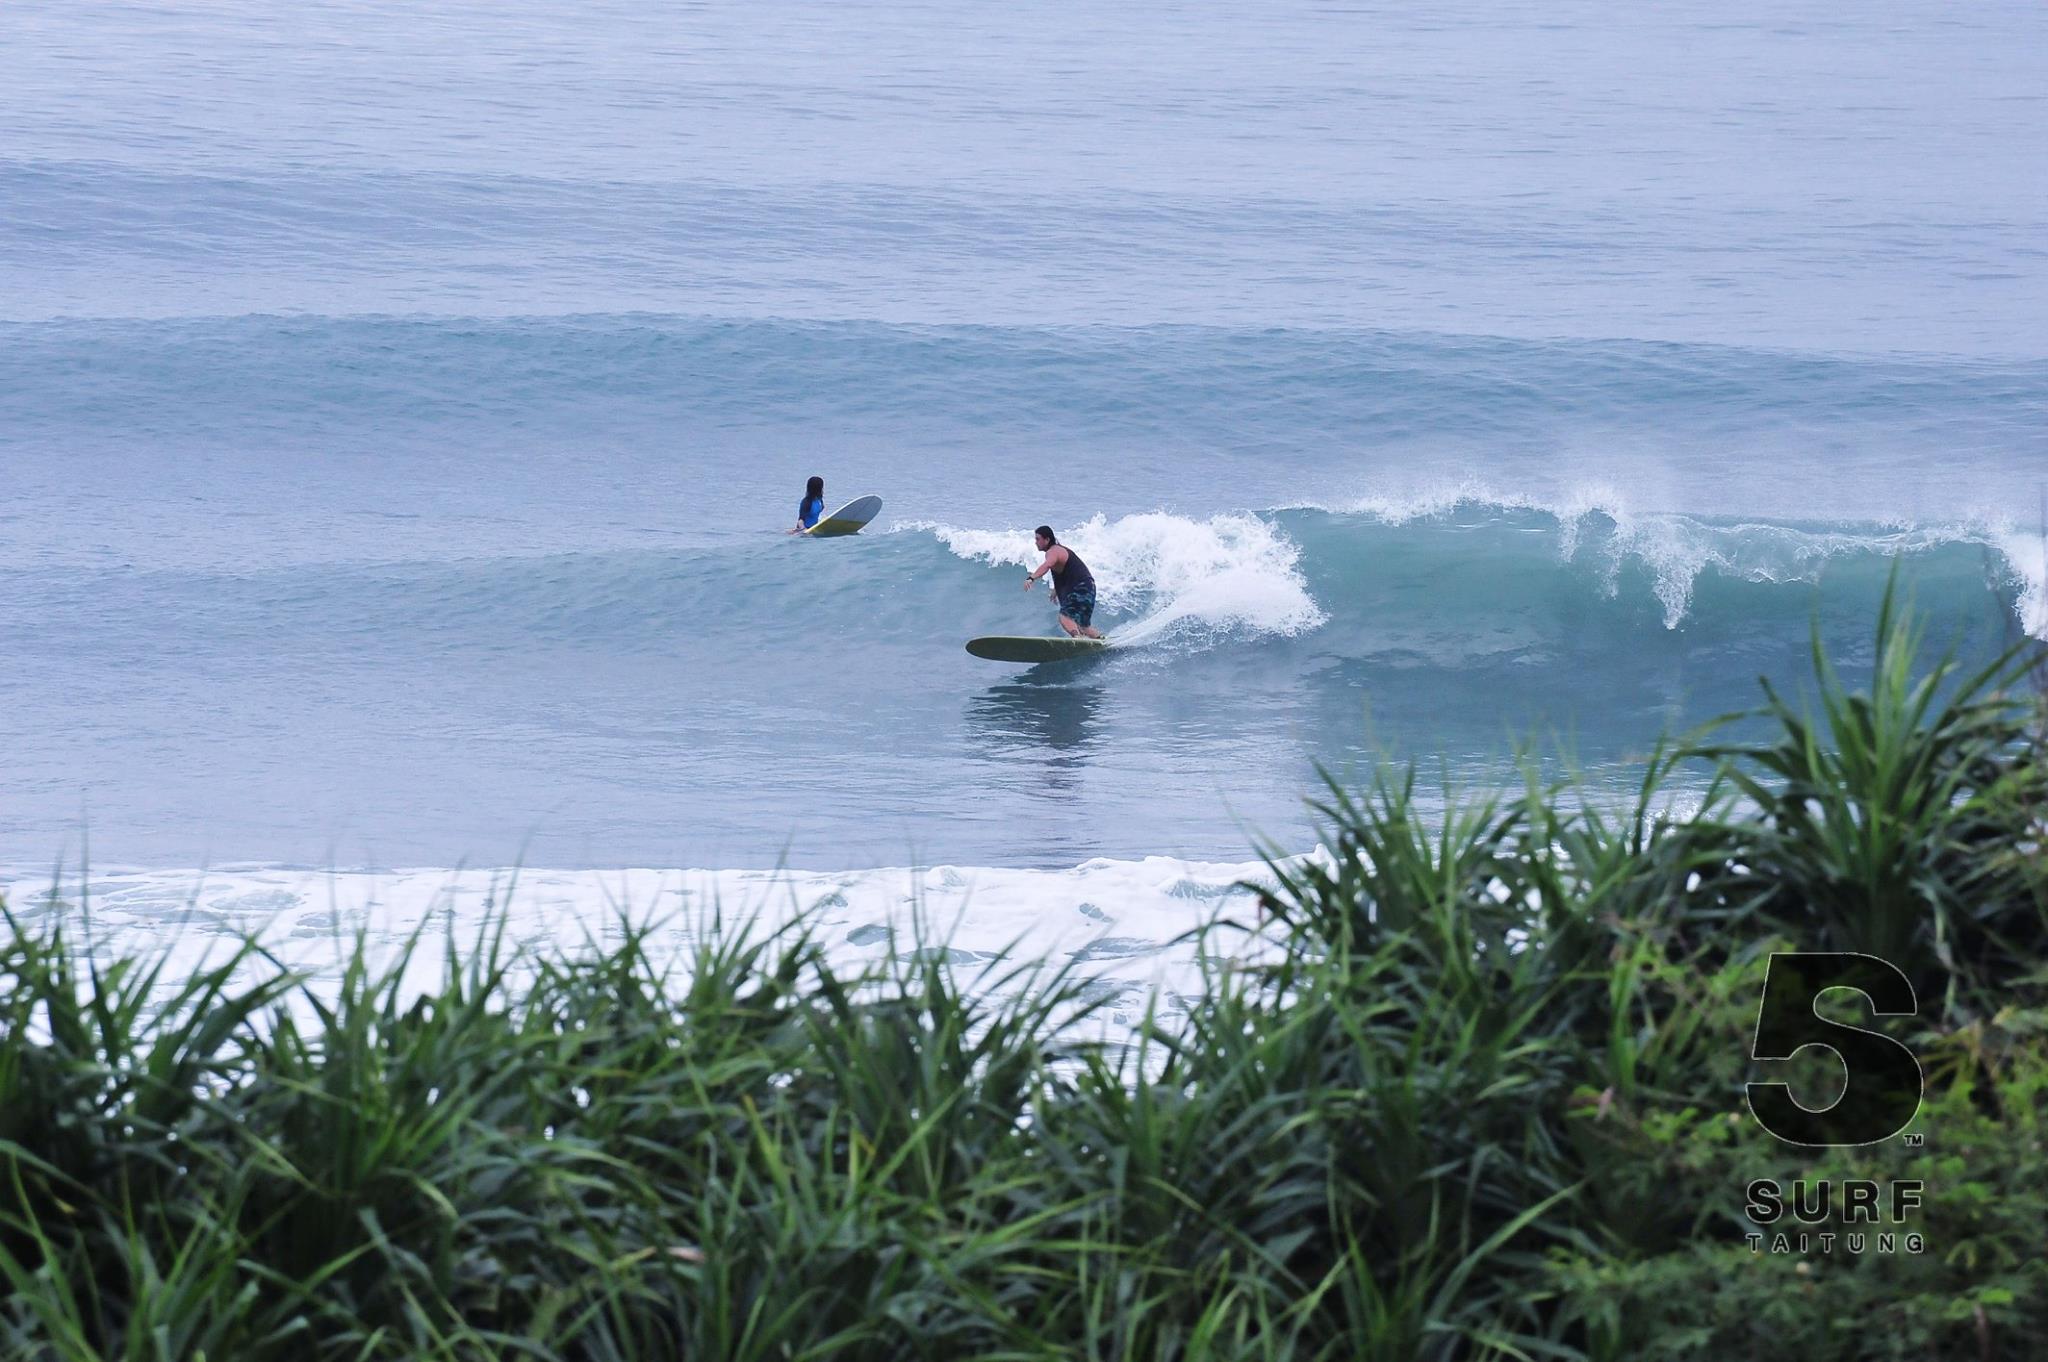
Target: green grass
1484	1100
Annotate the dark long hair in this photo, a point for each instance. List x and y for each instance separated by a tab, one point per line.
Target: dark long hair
814	488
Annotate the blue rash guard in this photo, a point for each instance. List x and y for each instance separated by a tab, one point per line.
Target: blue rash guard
809	509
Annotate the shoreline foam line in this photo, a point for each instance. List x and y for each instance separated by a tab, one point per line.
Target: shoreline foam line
1122	922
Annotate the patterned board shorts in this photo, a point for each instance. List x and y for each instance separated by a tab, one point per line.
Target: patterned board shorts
1078	605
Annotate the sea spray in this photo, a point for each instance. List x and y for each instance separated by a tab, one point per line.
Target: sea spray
1596	525
1234	573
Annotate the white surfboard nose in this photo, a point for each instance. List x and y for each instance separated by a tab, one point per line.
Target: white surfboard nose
848	519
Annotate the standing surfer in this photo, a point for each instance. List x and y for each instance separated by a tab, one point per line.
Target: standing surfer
1073	585
811	507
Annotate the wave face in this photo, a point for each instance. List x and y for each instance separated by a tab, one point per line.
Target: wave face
518	676
377	591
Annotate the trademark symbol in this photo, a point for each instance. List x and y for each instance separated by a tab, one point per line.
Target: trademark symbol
1915	1140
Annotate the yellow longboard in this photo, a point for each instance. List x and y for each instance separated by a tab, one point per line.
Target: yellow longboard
1014	648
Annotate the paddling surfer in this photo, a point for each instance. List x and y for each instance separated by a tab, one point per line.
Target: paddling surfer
1073	585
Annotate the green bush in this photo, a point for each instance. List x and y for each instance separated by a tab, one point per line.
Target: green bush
1977	1287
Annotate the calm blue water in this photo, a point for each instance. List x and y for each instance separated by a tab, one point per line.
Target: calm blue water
399	406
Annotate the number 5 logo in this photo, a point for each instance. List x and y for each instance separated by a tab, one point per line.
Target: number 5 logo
1885	1081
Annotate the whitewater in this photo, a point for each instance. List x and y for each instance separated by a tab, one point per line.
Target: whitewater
400	408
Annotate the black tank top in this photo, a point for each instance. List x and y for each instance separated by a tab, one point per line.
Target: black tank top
1074	574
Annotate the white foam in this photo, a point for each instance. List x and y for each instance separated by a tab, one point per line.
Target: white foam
1120	923
1228	573
2026	556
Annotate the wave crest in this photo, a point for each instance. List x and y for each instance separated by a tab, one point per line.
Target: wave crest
1233	573
1595	526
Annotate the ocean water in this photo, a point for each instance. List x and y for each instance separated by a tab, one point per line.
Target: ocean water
400	407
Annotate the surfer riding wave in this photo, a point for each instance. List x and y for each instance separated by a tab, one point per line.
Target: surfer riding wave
1073	585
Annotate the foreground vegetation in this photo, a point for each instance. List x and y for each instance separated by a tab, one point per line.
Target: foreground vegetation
1486	1101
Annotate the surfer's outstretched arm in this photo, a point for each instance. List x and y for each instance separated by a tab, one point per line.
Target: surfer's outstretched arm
1047	566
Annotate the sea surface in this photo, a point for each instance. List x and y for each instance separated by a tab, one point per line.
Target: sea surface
401	406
